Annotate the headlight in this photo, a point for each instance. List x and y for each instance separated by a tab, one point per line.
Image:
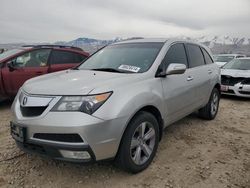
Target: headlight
87	104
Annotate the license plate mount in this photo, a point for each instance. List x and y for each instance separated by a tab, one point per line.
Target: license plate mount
224	88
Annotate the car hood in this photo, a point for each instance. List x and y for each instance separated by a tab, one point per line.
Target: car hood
77	82
236	73
220	64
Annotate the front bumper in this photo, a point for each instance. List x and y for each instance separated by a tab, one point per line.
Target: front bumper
54	151
241	90
101	138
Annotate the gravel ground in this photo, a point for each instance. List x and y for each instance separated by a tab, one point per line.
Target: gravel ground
193	153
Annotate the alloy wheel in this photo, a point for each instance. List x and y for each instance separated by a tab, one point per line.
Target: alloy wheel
214	104
142	143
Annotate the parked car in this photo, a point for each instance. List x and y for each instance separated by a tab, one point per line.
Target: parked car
222	59
235	77
116	104
19	65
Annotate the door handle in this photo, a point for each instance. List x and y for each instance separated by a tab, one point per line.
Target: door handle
39	72
190	78
210	71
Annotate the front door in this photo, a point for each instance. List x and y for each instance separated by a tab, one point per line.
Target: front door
178	89
25	66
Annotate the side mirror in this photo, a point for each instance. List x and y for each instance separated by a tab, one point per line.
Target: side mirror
11	66
176	68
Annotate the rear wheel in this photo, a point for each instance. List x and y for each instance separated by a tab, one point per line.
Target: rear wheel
139	143
210	111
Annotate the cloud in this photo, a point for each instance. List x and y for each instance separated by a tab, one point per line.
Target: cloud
53	20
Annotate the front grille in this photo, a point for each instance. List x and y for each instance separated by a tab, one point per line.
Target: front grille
32	111
246	81
244	92
59	137
231	81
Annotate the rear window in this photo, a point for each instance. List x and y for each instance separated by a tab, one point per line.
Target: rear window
195	56
65	57
207	57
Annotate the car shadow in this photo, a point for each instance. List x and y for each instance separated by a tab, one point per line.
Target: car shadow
235	98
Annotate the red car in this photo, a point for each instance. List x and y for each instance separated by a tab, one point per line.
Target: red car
19	65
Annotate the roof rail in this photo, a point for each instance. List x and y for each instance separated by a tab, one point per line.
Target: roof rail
52	46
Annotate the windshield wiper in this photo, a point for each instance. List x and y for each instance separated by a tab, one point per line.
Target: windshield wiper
108	70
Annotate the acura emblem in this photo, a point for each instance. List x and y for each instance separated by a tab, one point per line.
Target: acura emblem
25	99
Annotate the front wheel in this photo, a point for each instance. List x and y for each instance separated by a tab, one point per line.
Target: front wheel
139	143
210	111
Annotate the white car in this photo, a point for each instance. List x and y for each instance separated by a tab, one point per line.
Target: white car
222	59
235	77
116	104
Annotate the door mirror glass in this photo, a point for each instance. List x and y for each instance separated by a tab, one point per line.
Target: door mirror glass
175	68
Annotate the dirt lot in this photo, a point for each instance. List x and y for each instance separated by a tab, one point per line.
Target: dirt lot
192	153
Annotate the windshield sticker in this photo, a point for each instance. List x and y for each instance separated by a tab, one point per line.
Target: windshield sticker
129	68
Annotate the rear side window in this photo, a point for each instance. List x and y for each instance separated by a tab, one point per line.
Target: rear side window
195	56
65	57
207	57
176	54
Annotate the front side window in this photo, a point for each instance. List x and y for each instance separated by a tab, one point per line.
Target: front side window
65	57
176	54
238	64
36	58
129	58
195	56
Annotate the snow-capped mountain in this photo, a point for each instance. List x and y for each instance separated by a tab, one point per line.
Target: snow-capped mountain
90	44
224	40
218	43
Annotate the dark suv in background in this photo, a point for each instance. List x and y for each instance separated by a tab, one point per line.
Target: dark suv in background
19	65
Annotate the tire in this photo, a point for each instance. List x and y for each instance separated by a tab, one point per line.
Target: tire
136	156
210	111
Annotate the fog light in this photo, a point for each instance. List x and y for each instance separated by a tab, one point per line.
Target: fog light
75	154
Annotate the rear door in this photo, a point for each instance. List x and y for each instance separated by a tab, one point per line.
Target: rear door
62	59
199	74
178	89
212	69
26	66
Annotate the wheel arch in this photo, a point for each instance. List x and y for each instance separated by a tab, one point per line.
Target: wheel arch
217	86
150	109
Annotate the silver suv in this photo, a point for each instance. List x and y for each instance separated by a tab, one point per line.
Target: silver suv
116	104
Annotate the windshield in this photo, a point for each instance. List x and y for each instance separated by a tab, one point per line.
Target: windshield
240	64
218	58
125	58
9	53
